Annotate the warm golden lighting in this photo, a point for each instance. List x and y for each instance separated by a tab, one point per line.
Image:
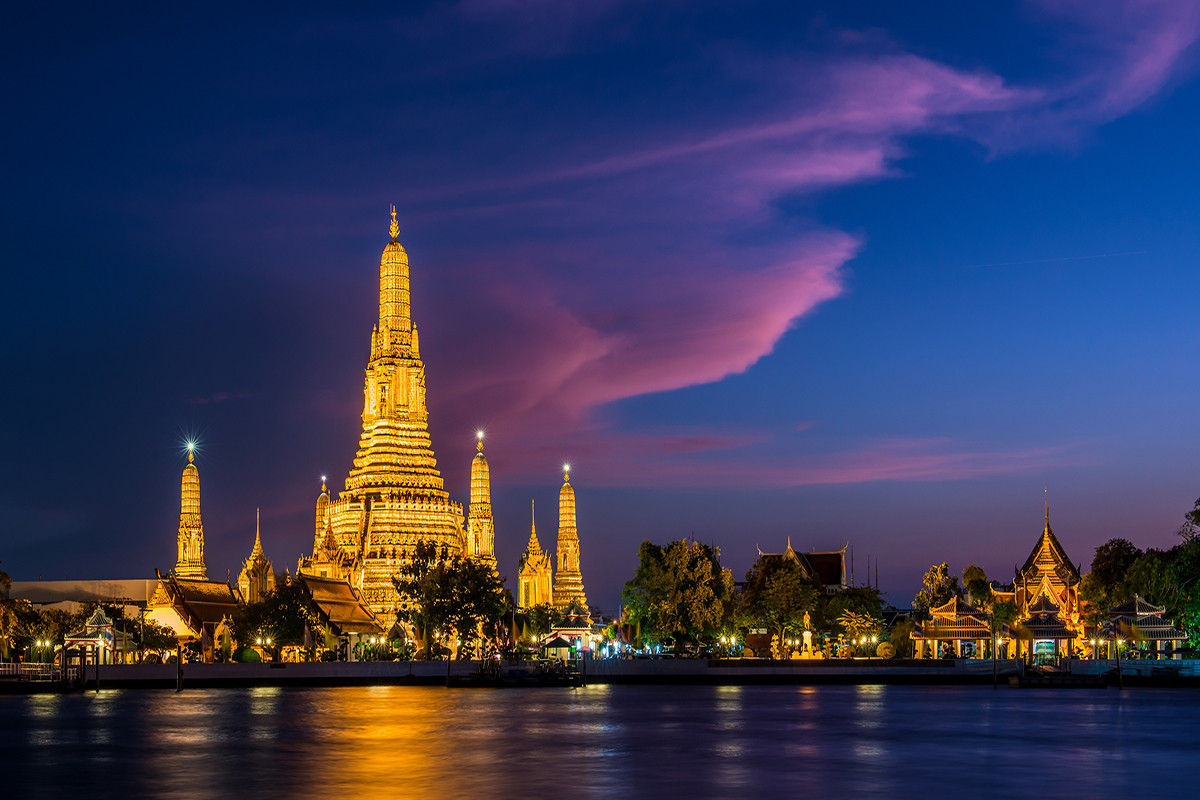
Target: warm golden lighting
394	495
568	580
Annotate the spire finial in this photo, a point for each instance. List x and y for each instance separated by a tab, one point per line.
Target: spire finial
191	446
566	473
479	444
532	518
257	520
323	489
394	228
1046	493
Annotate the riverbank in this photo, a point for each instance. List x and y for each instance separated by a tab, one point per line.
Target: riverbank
713	672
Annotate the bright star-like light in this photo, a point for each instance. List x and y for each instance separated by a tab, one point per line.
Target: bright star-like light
479	434
191	445
566	467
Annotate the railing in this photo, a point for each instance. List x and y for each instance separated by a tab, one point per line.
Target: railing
29	672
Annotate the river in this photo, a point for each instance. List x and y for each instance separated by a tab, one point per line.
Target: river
602	741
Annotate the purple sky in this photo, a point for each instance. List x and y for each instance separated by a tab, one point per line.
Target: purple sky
873	275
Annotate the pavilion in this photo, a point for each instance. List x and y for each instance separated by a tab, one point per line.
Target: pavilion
954	621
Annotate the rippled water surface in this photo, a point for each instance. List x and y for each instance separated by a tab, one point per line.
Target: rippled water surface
620	741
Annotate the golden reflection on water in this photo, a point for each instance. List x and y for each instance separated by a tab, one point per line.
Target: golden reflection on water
606	741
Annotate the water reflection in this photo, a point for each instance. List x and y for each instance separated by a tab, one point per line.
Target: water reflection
598	741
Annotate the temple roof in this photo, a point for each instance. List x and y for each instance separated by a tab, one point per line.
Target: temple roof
1136	606
199	602
1043	606
1049	555
827	568
954	607
340	606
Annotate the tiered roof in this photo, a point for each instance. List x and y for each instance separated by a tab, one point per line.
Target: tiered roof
953	620
1044	622
1048	558
1137	617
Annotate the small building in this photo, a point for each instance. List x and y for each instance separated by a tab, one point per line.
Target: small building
950	626
101	638
575	629
195	609
341	612
1140	621
535	571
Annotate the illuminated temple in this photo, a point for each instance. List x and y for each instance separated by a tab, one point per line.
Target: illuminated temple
568	581
394	496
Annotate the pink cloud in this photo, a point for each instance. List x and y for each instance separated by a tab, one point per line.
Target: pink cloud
641	303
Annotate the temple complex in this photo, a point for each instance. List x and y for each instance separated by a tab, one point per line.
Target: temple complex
257	576
568	580
394	496
534	571
190	542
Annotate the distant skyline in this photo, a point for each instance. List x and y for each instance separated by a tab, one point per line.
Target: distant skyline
871	275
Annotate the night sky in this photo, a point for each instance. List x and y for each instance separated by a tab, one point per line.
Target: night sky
872	275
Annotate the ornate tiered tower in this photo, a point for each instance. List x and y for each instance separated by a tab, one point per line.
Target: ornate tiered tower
394	496
533	571
568	581
190	561
481	530
257	577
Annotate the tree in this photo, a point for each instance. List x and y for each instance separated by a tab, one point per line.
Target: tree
451	597
777	596
157	637
940	588
541	618
978	588
1153	576
1191	523
865	600
679	590
1112	560
9	622
857	625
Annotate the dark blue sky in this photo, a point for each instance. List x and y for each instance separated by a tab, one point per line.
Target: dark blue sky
873	275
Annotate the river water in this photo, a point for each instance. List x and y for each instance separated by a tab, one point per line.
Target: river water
602	741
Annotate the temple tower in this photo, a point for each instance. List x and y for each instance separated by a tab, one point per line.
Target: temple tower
481	529
393	496
533	571
190	542
257	577
568	581
321	522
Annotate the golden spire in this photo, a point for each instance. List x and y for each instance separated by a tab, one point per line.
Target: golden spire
323	489
479	436
568	582
258	541
533	547
190	540
394	228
